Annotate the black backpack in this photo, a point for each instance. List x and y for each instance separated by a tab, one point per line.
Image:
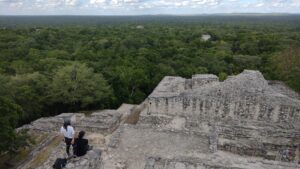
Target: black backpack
60	163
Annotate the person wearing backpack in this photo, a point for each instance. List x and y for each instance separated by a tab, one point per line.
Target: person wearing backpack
68	131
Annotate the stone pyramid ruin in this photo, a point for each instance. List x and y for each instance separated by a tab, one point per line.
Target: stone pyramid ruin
245	122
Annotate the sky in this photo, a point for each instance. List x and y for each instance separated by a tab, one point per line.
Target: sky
145	7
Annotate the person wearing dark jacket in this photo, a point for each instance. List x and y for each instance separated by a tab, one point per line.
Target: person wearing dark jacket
81	145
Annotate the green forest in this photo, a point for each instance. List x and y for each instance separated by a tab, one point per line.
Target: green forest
50	65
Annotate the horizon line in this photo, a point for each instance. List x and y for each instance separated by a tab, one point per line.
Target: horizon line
200	14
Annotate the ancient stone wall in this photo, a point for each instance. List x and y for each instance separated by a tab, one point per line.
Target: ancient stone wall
245	114
244	122
246	96
247	107
105	122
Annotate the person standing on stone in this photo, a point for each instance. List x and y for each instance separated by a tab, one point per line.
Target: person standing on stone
68	131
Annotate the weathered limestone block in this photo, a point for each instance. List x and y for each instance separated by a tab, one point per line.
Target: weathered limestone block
213	139
203	79
92	160
155	119
53	123
245	96
133	143
280	87
115	138
104	122
215	162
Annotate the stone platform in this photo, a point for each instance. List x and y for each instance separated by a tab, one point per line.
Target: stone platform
245	122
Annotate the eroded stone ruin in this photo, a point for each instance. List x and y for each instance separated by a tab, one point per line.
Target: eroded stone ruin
244	122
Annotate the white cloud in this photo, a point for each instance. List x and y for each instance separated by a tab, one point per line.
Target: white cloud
16	4
260	4
296	3
113	3
206	2
47	4
269	5
275	3
71	2
97	2
178	3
